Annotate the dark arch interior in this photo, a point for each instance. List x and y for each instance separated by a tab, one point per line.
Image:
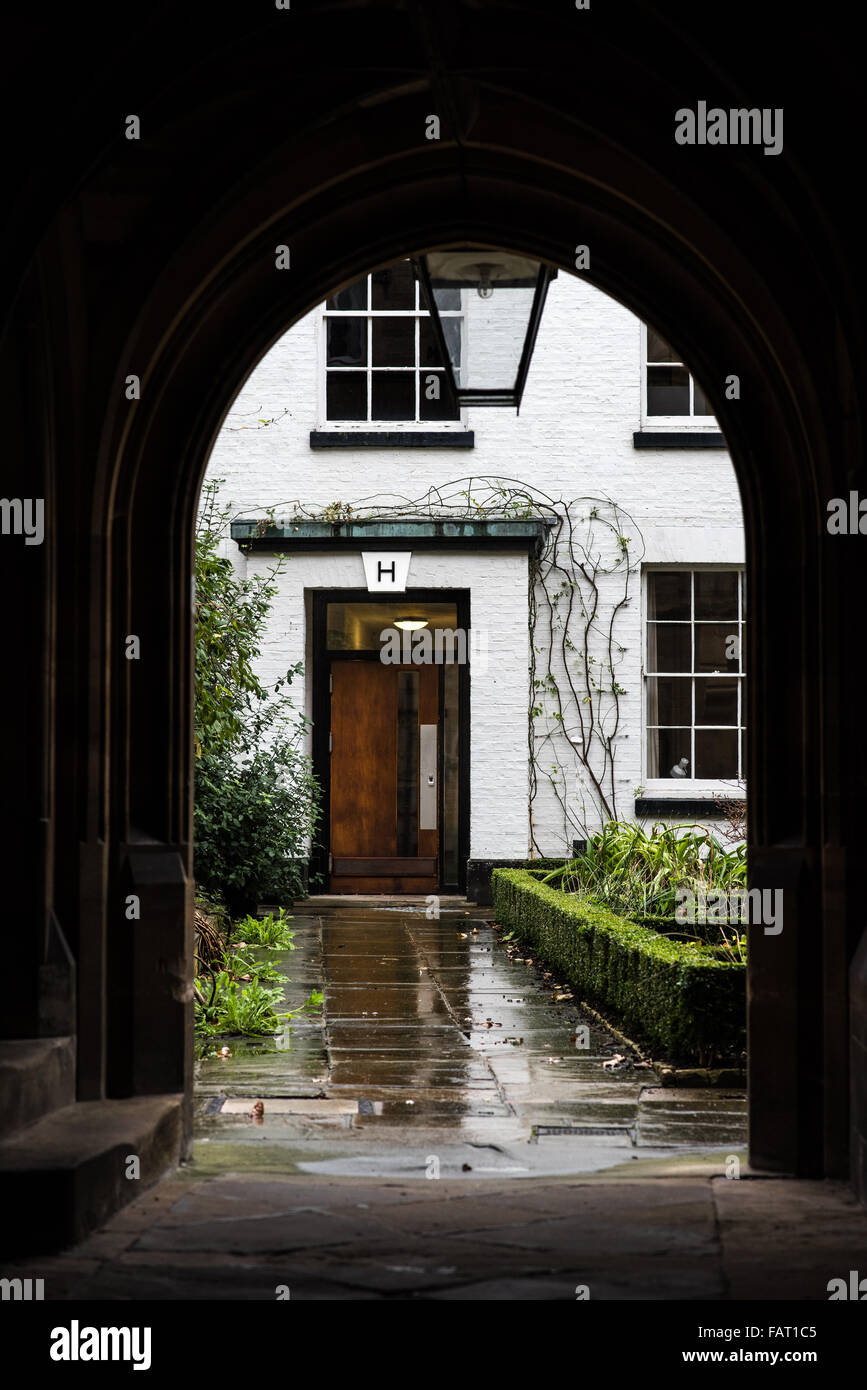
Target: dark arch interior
157	259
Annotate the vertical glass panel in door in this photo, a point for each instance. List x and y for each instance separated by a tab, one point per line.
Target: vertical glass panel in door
407	763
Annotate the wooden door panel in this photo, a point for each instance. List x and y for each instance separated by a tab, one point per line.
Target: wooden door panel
363	759
376	846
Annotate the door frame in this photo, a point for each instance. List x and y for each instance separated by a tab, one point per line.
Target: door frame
321	670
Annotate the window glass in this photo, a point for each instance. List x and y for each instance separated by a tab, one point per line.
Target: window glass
346	342
716	594
346	396
380	325
435	400
359	626
353	297
393	396
671	389
695	713
668	594
667	391
658	350
673	699
393	288
669	647
393	342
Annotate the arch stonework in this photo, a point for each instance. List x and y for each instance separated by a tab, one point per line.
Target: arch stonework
159	260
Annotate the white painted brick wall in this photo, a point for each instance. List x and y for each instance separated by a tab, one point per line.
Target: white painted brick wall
573	438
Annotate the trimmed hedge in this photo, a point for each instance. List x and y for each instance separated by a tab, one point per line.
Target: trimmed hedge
688	1003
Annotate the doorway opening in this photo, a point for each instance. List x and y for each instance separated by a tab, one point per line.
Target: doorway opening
391	740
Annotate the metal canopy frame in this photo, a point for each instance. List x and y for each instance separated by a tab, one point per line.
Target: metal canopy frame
503	396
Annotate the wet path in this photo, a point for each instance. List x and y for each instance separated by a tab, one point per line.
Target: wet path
439	1056
438	1050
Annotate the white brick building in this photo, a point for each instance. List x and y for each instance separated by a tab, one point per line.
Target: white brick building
590	427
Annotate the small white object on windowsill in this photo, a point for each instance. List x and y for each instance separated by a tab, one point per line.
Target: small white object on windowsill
680	769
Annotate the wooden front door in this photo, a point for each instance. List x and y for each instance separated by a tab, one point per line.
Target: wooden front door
384	778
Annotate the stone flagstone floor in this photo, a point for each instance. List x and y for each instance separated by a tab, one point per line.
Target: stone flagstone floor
437	1134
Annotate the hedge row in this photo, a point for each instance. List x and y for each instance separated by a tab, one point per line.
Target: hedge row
682	998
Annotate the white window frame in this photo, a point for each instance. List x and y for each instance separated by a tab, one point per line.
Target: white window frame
698	423
687	788
457	426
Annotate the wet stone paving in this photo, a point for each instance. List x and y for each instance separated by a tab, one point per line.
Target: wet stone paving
439	1052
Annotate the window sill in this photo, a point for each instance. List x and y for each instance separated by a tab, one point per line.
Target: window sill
678	439
700	804
392	439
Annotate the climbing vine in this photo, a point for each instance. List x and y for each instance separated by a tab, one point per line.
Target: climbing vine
579	586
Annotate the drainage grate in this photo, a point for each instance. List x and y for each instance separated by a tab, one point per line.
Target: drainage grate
625	1130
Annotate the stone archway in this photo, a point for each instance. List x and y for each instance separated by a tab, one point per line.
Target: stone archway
190	304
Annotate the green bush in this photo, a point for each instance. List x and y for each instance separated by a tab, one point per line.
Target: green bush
687	1001
256	801
252	817
637	873
272	931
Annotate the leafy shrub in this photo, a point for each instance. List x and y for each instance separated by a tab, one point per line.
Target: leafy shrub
233	1008
638	874
240	994
686	999
271	931
252	817
256	802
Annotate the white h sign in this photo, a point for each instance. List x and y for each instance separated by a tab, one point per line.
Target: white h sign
386	570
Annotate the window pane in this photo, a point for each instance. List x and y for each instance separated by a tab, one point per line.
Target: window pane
393	288
700	403
353	297
429	354
716	702
452	334
447	299
432	406
668	647
658	350
712	643
360	626
669	701
667	391
668	749
393	396
668	595
716	753
347	342
394	342
716	594
346	395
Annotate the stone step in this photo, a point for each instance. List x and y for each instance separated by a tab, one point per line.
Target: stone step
37	1076
66	1174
